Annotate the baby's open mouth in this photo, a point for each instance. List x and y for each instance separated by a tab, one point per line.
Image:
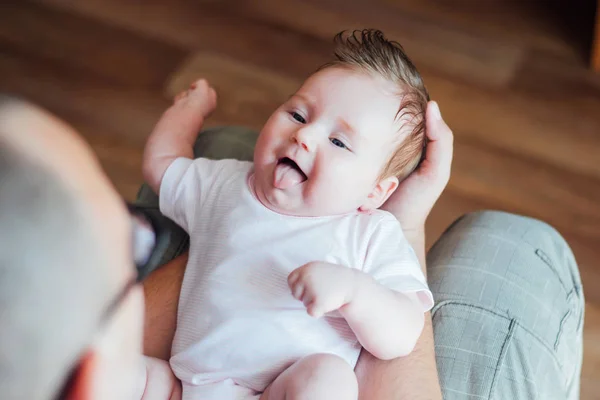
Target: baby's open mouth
288	174
292	164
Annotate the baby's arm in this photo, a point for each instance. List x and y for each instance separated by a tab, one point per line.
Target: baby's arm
386	323
176	131
157	381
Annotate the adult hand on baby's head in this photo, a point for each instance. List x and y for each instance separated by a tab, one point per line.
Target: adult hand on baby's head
416	195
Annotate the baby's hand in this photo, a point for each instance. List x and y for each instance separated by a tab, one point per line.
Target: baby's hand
201	96
323	287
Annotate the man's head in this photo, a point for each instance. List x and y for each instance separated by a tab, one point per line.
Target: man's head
65	252
347	137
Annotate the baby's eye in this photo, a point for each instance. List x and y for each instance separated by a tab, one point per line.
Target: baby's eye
338	143
298	117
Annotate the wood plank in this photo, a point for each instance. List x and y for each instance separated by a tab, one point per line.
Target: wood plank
112	53
115	121
247	95
569	80
586	254
121	162
182	33
174	25
209	26
532	24
567	200
483	61
276	46
558	129
596	42
73	94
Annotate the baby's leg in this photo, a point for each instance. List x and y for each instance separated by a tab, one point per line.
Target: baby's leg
316	377
157	381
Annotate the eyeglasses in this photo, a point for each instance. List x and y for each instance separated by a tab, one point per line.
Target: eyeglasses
149	242
150	239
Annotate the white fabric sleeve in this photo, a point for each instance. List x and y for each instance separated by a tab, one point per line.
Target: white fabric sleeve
184	187
392	262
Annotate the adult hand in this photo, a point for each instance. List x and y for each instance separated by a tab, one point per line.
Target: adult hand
416	195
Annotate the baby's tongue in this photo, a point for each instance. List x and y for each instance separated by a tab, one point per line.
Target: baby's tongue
286	176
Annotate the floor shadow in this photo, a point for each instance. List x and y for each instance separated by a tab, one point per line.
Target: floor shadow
576	19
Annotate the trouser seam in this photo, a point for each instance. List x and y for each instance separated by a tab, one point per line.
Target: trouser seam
514	321
546	260
502	356
567	315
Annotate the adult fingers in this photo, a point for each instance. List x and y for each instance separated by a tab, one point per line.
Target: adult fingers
440	147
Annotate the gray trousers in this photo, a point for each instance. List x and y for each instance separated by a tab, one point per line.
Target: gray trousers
508	318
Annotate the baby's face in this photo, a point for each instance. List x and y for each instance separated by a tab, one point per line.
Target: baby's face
322	151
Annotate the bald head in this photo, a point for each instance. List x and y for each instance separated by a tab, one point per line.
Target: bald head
63	250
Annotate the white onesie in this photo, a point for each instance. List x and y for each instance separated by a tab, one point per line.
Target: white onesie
238	325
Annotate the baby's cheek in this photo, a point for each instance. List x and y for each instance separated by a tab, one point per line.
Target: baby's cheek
329	192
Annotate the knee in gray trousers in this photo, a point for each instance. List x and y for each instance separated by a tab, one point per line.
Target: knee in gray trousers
508	318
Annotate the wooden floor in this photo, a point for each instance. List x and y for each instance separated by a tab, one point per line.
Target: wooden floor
511	78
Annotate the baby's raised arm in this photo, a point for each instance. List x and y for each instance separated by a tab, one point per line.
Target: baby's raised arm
176	131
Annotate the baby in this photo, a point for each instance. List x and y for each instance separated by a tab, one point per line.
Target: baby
292	267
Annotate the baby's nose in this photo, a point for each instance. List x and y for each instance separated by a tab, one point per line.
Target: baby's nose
304	139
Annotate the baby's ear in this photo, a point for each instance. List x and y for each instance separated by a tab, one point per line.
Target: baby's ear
380	193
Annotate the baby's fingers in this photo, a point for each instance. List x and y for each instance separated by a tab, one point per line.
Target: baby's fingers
298	290
314	310
293	277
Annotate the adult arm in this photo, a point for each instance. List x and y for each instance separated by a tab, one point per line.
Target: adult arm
411	377
162	298
414	376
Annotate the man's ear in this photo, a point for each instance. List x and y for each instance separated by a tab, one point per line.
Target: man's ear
380	193
80	385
